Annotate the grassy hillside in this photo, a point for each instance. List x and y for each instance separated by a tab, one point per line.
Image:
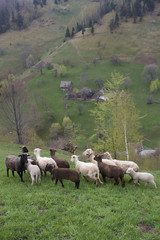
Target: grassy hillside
47	211
45	32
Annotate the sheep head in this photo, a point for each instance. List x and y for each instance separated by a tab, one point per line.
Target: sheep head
74	158
87	152
52	151
107	155
37	150
98	158
130	170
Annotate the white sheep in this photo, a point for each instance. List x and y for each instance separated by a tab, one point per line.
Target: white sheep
43	161
90	154
122	163
141	176
86	169
34	171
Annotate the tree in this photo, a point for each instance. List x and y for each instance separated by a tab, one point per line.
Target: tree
68	127
73	32
150	73
30	61
15	108
117	120
61	71
83	31
55	130
155	86
92	29
67	35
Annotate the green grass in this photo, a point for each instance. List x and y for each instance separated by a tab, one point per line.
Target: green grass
46	211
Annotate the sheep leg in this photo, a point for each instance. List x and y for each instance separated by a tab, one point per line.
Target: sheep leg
116	181
21	175
39	179
56	181
13	173
77	184
104	178
136	182
8	172
97	182
131	180
100	181
154	184
32	181
123	181
61	183
85	178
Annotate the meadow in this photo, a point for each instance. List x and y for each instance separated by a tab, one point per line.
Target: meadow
47	211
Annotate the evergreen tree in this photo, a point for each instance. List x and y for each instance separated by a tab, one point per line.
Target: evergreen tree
83	31
67	35
92	29
73	32
20	21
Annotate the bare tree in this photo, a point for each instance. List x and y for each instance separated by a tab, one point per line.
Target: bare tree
15	111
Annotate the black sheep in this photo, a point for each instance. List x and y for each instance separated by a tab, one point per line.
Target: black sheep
64	173
110	171
61	163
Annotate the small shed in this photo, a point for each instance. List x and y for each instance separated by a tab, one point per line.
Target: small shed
66	86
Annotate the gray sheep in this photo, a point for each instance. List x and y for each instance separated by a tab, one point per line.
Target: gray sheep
16	164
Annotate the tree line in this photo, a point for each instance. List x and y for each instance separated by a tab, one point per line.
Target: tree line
123	11
12	13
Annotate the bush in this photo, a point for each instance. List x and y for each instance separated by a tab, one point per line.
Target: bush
126	82
115	60
55	130
149	100
150	73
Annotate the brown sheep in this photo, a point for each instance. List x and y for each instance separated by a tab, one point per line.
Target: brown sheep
64	173
110	171
61	163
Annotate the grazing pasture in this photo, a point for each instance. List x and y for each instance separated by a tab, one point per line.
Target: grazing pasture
45	211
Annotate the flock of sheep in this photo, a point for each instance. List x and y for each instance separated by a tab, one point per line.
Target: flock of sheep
60	168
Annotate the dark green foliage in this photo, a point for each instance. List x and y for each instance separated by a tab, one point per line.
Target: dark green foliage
67	35
92	29
73	32
20	21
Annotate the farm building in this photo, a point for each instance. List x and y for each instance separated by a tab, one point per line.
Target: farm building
66	86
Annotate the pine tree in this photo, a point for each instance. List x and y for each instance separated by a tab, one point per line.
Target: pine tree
73	32
92	29
67	35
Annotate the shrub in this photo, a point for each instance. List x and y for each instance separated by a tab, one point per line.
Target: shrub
149	100
150	73
55	130
155	86
115	60
126	82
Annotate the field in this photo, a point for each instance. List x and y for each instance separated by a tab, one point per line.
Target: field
47	211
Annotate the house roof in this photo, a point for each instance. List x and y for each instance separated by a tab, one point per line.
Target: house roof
66	84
